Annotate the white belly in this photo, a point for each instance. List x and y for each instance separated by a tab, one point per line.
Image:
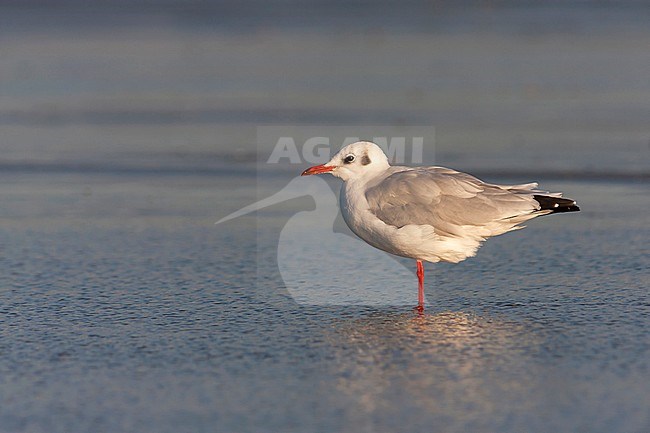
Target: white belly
418	242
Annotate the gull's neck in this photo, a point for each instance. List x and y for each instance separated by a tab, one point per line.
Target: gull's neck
372	171
366	179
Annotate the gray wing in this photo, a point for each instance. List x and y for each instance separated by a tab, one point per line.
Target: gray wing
449	201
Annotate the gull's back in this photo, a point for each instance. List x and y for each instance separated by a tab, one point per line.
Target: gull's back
454	211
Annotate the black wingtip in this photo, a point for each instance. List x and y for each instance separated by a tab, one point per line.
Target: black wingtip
556	204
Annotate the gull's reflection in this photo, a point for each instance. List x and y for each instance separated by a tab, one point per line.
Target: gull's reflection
439	363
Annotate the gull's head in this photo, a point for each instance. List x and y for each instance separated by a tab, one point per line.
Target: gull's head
356	160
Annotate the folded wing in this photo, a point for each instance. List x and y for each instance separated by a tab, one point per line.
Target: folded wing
455	204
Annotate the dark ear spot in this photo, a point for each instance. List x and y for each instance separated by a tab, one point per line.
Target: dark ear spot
365	160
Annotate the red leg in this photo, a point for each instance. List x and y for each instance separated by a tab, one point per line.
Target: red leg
420	274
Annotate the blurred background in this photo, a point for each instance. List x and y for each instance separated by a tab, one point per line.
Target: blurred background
557	87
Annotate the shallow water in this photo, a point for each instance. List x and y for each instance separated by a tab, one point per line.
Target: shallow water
125	136
117	318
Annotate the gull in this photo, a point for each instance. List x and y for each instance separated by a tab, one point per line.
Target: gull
432	214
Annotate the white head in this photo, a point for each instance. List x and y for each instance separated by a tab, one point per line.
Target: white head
356	160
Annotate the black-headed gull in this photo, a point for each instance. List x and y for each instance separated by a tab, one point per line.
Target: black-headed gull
431	214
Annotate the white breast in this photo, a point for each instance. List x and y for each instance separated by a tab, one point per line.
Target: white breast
416	241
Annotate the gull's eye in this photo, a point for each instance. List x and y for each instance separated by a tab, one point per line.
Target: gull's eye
348	159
